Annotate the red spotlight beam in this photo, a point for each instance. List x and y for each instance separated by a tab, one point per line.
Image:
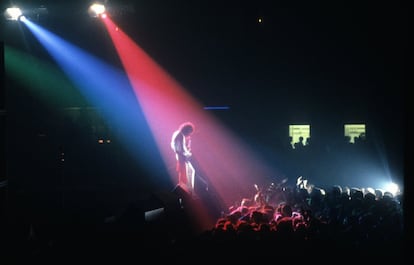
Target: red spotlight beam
231	169
165	104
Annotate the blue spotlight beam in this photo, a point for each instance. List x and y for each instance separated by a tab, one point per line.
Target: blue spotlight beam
108	89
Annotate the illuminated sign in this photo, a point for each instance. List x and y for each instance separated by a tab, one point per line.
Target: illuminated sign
354	131
299	134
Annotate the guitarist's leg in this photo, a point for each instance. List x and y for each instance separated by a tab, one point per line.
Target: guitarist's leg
190	176
182	174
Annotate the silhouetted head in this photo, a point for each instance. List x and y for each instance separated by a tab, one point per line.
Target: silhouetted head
187	128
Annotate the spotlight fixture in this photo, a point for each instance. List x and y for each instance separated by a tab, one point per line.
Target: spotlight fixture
101	9
97	10
13	13
17	14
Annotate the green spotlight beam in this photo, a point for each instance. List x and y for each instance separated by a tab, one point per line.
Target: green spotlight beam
43	79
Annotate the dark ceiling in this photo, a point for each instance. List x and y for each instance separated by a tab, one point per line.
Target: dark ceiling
305	61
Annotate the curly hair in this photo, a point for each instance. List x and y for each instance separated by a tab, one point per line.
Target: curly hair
187	128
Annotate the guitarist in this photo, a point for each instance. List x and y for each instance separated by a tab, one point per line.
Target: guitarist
181	145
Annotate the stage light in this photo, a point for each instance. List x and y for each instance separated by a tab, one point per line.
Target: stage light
392	187
13	13
97	10
21	13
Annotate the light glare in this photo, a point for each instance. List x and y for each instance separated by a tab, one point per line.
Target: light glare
393	188
96	10
13	13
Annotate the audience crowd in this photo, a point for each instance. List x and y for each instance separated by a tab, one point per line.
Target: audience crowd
304	222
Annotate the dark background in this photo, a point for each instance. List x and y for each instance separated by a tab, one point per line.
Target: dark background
318	63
